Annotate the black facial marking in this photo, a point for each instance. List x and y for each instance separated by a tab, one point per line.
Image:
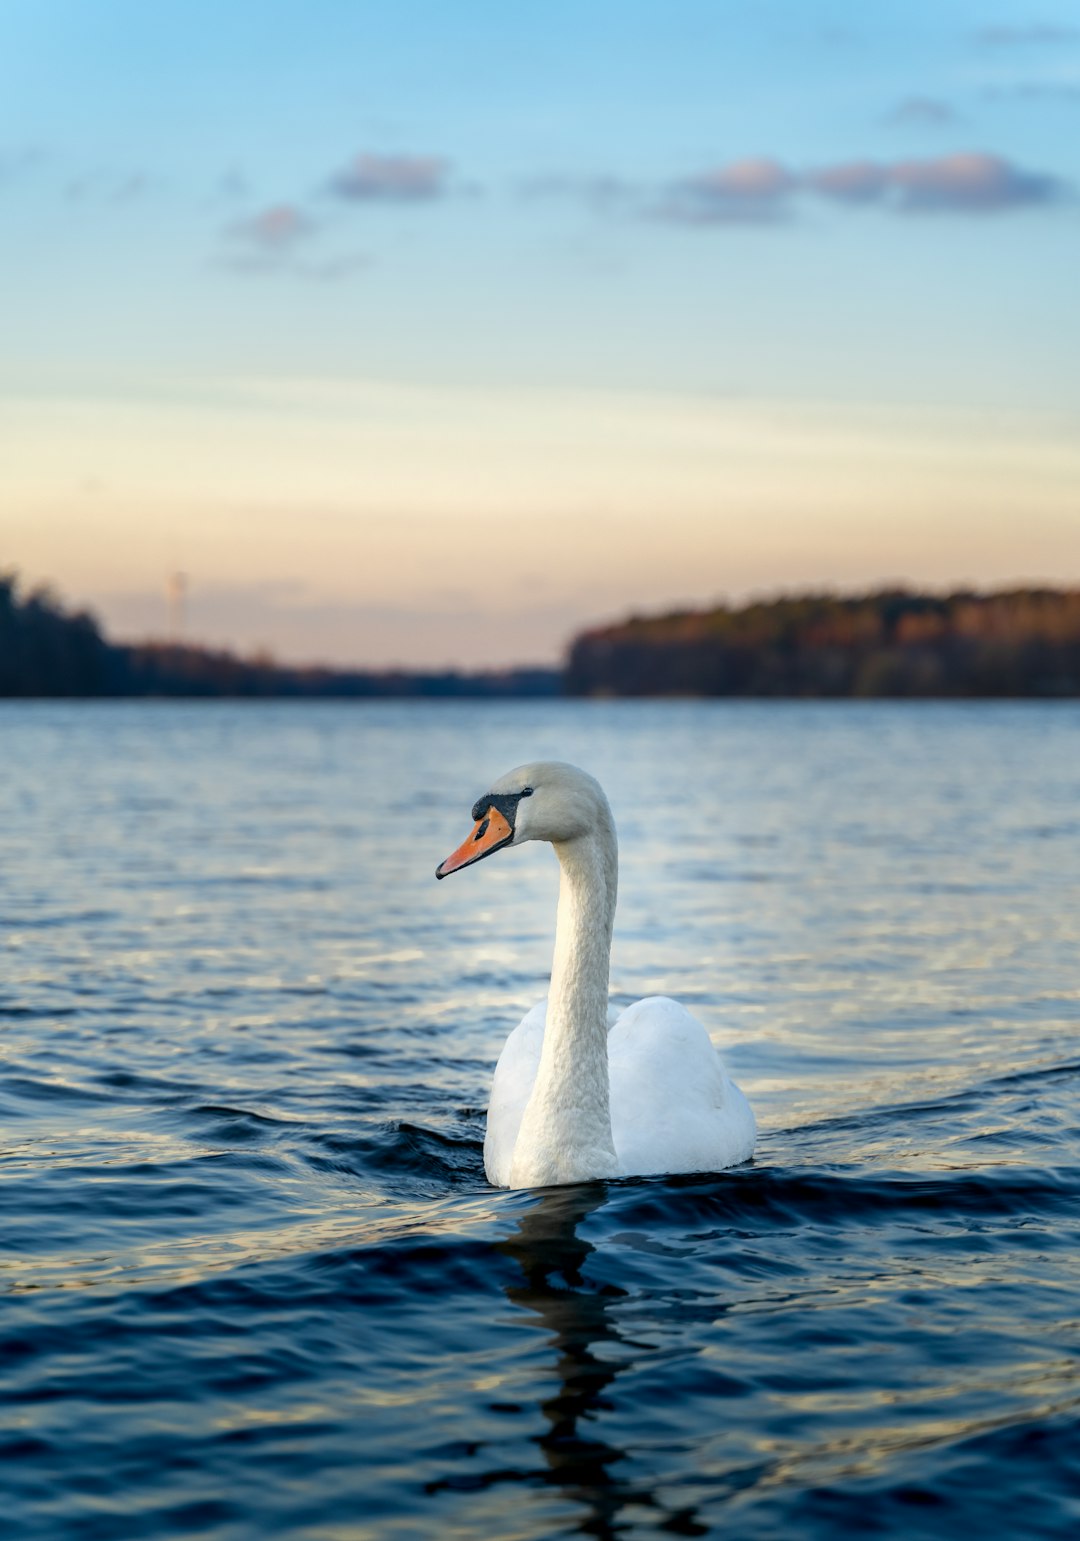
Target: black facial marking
505	802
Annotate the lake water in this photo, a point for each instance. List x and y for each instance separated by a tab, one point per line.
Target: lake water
252	1280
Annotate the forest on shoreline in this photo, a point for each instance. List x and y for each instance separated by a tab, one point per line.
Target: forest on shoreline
47	650
893	643
1019	642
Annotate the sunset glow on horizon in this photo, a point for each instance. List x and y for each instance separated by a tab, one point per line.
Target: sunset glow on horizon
431	337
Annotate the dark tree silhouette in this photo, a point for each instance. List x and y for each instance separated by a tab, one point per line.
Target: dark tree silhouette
1019	642
46	650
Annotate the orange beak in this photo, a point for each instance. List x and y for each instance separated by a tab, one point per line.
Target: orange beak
489	833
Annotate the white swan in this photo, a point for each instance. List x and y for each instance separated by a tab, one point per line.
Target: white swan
581	1091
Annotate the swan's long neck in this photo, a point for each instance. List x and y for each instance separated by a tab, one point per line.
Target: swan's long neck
565	1133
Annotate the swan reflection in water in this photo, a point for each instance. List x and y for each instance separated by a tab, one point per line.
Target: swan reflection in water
578	1314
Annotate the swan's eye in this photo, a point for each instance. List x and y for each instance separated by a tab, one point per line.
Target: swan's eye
526	791
482	830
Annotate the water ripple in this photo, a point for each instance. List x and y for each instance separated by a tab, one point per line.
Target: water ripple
253	1281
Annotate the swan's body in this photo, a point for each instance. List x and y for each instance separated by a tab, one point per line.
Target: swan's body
673	1108
580	1091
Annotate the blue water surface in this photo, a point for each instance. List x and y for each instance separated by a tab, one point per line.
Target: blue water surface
252	1280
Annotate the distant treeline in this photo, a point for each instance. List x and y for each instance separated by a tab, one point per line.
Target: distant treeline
46	650
1019	642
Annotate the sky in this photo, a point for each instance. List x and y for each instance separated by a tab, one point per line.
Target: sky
429	334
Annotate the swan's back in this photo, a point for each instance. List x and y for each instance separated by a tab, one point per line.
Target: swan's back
673	1107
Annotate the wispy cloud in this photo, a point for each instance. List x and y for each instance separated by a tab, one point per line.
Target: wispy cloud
1030	34
1053	90
18	160
392	179
277	240
298	620
232	186
850	181
602	191
922	112
108	187
279	228
60	174
752	191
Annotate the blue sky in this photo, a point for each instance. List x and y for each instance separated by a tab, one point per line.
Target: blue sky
655	302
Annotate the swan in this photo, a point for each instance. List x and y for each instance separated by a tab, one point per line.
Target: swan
582	1091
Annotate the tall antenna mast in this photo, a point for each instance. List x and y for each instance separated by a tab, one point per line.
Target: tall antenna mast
176	589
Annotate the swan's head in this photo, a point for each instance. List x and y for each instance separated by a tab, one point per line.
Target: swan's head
546	801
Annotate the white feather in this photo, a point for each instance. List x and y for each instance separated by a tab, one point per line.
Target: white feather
673	1106
582	1091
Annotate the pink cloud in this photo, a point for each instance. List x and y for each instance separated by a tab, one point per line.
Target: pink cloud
744	191
850	182
276	229
393	179
971	182
762	190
